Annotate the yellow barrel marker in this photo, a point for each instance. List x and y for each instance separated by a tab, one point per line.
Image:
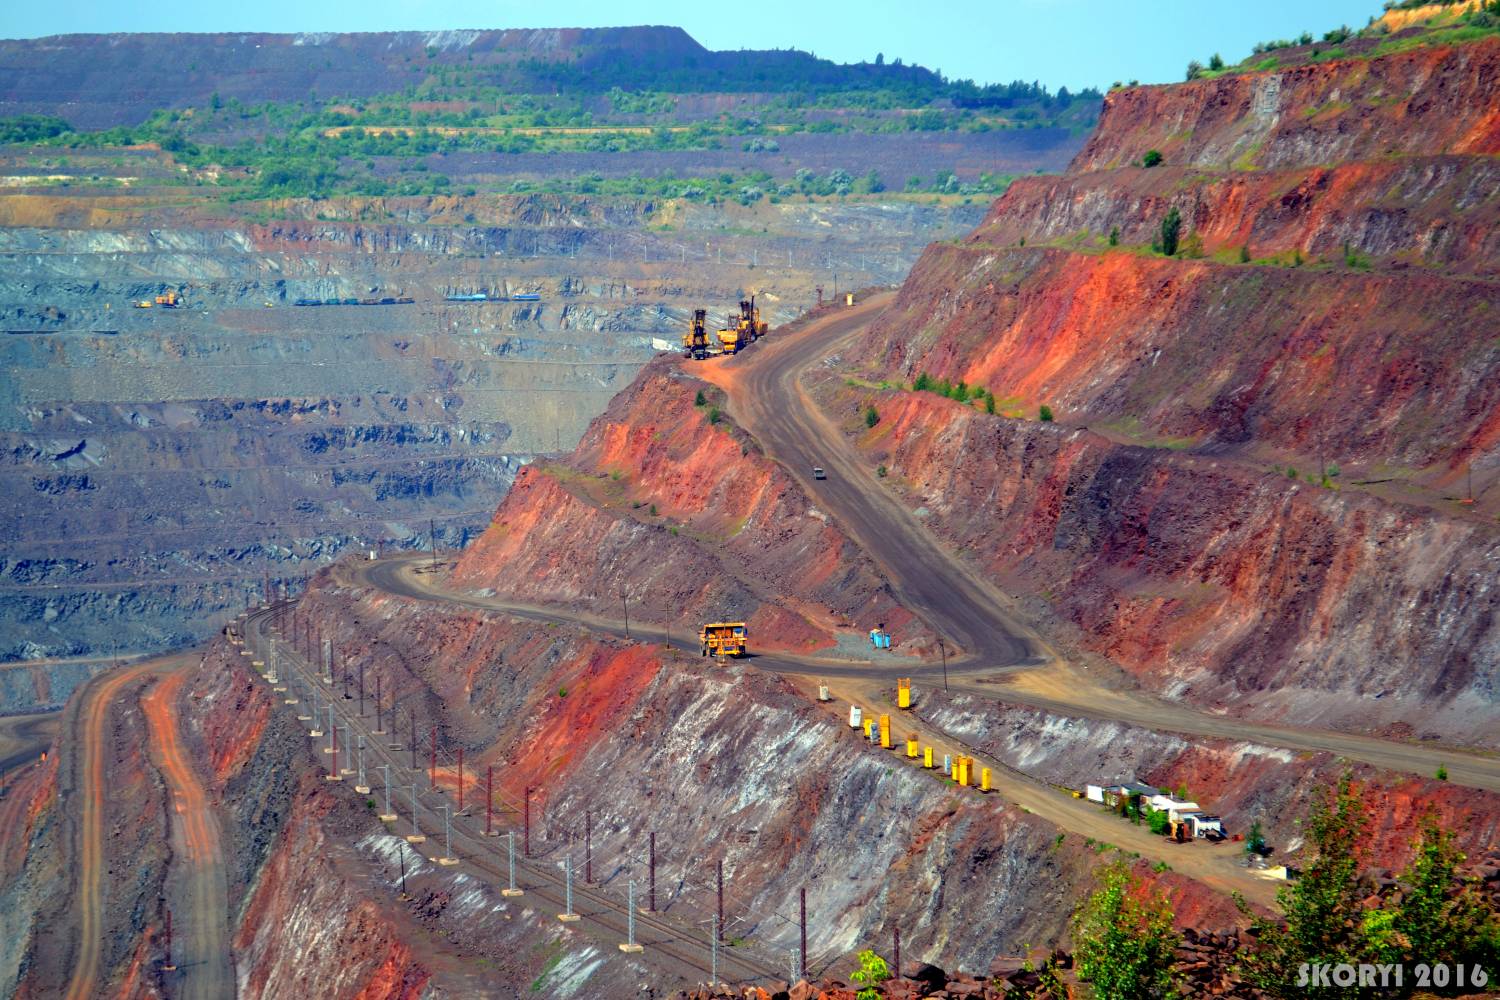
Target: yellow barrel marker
927	757
961	770
911	746
984	779
903	692
885	732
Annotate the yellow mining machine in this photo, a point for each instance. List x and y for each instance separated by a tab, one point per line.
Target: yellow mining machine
731	339
171	300
750	320
695	341
721	639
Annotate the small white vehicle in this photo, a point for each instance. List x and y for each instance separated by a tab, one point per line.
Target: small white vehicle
818	473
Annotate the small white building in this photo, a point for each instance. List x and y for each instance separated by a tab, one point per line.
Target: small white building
1203	825
1174	809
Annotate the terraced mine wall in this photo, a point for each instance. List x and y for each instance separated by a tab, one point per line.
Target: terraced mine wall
1249	497
160	465
725	764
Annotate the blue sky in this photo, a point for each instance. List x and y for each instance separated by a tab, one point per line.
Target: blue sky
1075	43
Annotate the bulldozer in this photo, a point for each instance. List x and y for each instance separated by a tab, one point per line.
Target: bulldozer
695	341
721	639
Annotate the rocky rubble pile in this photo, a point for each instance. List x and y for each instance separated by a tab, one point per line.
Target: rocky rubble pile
1013	978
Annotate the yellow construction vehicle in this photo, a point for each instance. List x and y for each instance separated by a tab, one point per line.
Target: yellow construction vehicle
722	639
751	327
143	304
171	300
695	341
732	339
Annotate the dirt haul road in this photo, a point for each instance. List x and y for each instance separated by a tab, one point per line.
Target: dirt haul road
197	888
90	740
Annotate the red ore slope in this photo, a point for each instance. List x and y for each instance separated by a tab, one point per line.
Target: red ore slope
669	503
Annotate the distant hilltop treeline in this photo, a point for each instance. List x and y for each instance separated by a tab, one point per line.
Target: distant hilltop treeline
99	81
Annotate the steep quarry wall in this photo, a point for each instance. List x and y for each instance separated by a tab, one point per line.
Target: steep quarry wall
1381	371
668	503
1248	498
1413	103
1227	586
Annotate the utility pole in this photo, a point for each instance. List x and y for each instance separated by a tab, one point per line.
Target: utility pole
896	966
651	895
489	796
379	723
460	777
526	824
943	650
432	770
403	874
802	921
719	921
361	689
432	526
588	847
625	603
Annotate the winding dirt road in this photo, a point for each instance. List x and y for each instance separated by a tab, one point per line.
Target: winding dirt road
1002	658
92	739
197	885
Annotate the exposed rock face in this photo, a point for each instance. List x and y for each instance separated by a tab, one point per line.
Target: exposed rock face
1411	103
749	771
1223	584
1176	517
668	503
1243	783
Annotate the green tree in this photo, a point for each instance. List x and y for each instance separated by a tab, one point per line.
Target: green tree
699	399
1255	840
923	382
1245	253
1323	917
1171	231
1152	158
1045	414
1440	917
872	971
872	416
1124	941
1216	62
989	403
1114	236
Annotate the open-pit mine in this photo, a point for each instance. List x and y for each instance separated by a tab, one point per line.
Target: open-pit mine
575	514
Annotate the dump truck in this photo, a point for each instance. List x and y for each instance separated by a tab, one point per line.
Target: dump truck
695	341
731	339
722	639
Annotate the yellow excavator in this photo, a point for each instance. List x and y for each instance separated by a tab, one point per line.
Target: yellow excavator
695	341
750	320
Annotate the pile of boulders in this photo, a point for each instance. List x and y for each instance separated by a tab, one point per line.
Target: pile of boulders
1014	979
